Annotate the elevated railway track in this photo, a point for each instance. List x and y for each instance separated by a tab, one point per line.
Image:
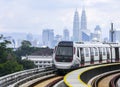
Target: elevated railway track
19	78
92	76
49	82
105	82
104	79
48	78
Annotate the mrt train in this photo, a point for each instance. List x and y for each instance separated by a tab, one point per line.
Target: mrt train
70	55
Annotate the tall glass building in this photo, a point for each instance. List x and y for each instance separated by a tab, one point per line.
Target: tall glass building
97	33
116	36
47	37
76	27
85	33
66	36
83	20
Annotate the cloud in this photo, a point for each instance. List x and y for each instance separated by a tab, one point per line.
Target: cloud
31	15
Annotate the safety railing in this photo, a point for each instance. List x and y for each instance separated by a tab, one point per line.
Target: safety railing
15	77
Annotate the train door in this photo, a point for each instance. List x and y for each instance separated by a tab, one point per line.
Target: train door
87	55
108	54
113	55
82	56
96	57
100	54
92	55
78	56
119	53
116	54
104	58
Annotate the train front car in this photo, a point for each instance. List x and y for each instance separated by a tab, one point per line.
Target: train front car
63	56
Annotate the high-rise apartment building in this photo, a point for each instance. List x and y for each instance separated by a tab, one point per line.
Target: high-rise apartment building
66	36
29	37
47	37
116	36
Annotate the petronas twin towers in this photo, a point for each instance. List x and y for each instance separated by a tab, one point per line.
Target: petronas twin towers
80	28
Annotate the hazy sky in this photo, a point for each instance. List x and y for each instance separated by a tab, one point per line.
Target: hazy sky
32	16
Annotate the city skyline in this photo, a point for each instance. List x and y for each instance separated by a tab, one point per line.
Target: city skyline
28	16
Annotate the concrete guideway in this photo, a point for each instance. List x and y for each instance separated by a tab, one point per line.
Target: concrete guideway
72	78
80	77
105	81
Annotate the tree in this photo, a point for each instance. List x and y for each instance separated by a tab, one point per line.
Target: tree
23	50
26	43
27	64
8	63
3	49
10	67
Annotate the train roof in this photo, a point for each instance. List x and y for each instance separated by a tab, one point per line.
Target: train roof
91	45
96	44
88	44
65	43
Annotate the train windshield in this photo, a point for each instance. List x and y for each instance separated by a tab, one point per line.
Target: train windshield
64	51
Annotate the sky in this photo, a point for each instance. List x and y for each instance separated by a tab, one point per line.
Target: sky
32	16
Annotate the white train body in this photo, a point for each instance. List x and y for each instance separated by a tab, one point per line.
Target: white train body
69	55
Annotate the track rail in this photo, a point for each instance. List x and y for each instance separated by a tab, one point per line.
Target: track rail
18	78
114	80
47	82
32	77
95	82
54	82
106	81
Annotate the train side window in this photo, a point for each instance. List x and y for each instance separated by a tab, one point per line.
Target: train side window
87	52
92	51
100	50
96	52
81	51
103	51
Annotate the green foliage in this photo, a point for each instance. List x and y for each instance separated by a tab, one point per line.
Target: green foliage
10	67
3	50
1	70
8	63
27	64
25	43
24	50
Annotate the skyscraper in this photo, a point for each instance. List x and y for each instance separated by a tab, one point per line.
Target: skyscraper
97	34
85	33
66	35
83	20
116	36
76	27
47	37
29	37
